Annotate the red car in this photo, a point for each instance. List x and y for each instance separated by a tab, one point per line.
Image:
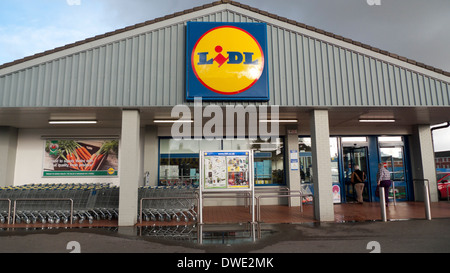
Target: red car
443	182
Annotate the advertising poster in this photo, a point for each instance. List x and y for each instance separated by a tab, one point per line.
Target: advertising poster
226	170
294	160
237	167
80	158
336	194
215	173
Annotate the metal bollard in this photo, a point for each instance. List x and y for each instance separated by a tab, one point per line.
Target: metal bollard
426	199
200	234
382	205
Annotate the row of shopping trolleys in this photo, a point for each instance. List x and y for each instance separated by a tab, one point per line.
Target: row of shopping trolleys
56	203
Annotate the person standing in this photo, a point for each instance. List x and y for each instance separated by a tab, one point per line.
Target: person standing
358	178
384	180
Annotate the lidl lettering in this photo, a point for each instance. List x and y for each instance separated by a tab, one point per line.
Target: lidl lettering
234	57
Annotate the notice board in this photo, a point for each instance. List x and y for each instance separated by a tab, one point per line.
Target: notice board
226	170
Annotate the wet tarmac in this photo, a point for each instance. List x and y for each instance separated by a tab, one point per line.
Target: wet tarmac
399	236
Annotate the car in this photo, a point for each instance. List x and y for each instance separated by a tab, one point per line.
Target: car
443	181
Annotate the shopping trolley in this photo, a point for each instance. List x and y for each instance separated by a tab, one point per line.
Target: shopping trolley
43	203
5	205
106	205
167	203
49	203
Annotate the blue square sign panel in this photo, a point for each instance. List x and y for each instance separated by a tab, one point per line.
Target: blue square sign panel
226	61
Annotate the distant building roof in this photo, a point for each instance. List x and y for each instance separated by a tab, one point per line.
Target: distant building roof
442	154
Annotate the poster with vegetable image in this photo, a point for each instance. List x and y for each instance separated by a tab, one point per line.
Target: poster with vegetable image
81	158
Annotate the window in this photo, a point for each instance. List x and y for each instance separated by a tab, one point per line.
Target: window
268	158
354	139
390	139
305	159
179	159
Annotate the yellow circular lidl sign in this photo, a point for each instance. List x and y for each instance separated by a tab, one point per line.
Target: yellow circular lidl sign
227	60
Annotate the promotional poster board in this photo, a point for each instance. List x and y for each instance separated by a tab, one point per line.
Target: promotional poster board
226	171
86	157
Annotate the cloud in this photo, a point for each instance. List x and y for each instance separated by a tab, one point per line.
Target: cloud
73	2
414	29
123	13
21	41
37	27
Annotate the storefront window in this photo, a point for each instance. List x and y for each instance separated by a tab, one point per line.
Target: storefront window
392	156
268	159
179	163
334	159
305	159
179	159
178	170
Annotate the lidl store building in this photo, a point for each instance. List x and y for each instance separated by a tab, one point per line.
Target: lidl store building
322	103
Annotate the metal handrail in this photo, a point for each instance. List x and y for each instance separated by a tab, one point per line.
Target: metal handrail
271	190
261	189
288	190
9	207
44	199
246	196
277	190
258	204
161	198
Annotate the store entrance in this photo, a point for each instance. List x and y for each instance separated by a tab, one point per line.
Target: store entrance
393	159
353	156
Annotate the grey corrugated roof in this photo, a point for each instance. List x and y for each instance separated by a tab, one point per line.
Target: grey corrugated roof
220	2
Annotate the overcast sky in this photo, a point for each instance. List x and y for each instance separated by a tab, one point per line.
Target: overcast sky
416	29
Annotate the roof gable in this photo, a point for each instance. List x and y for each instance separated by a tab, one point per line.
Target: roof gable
144	65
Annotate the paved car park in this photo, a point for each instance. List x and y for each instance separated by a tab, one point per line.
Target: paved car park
361	236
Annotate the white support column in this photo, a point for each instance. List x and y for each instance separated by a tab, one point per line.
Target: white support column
129	171
423	162
320	145
291	149
151	154
8	147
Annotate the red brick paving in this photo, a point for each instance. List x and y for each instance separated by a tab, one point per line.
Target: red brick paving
284	214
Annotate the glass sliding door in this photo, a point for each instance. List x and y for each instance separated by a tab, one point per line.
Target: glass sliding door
353	156
393	159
